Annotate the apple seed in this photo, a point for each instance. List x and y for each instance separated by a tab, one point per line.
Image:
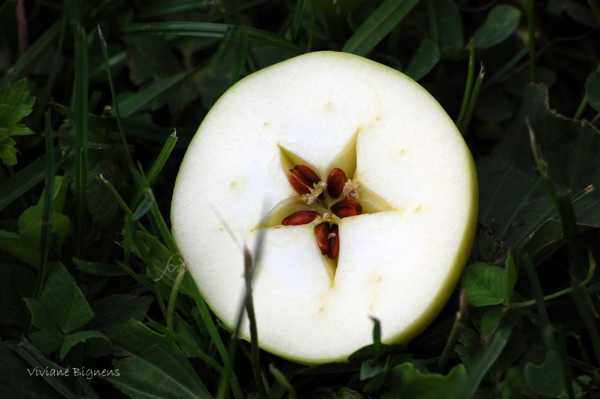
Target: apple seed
303	179
308	184
322	233
334	242
300	217
345	208
335	183
310	187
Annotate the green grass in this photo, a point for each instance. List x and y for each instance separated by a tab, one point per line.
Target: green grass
94	298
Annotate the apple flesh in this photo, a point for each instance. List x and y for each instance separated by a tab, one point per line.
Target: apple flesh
398	261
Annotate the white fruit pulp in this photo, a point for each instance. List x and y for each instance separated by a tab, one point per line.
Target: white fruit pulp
399	265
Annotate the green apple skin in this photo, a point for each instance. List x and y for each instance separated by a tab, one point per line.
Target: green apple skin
398	264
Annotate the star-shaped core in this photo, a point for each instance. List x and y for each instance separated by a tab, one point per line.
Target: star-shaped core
324	202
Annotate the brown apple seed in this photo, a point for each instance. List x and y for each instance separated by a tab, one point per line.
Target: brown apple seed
334	242
308	174
335	182
322	234
300	217
346	208
297	180
303	179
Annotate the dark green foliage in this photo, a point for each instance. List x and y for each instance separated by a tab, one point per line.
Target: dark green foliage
15	104
153	366
99	101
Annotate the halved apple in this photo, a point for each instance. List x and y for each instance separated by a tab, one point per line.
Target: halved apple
406	165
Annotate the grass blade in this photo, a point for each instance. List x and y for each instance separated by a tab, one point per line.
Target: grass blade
248	307
117	197
377	26
282	380
588	319
240	52
472	101
468	87
142	208
141	129
206	29
299	12
48	207
98	269
144	97
255	351
46	219
128	232
561	202
311	27
454	334
566	370
537	290
151	354
22	181
595	7
433	23
160	9
30	58
49	86
478	372
187	344
143	281
114	97
531	37
6	11
426	57
81	144
506	68
110	62
162	157
210	326
173	296
164	231
37	360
